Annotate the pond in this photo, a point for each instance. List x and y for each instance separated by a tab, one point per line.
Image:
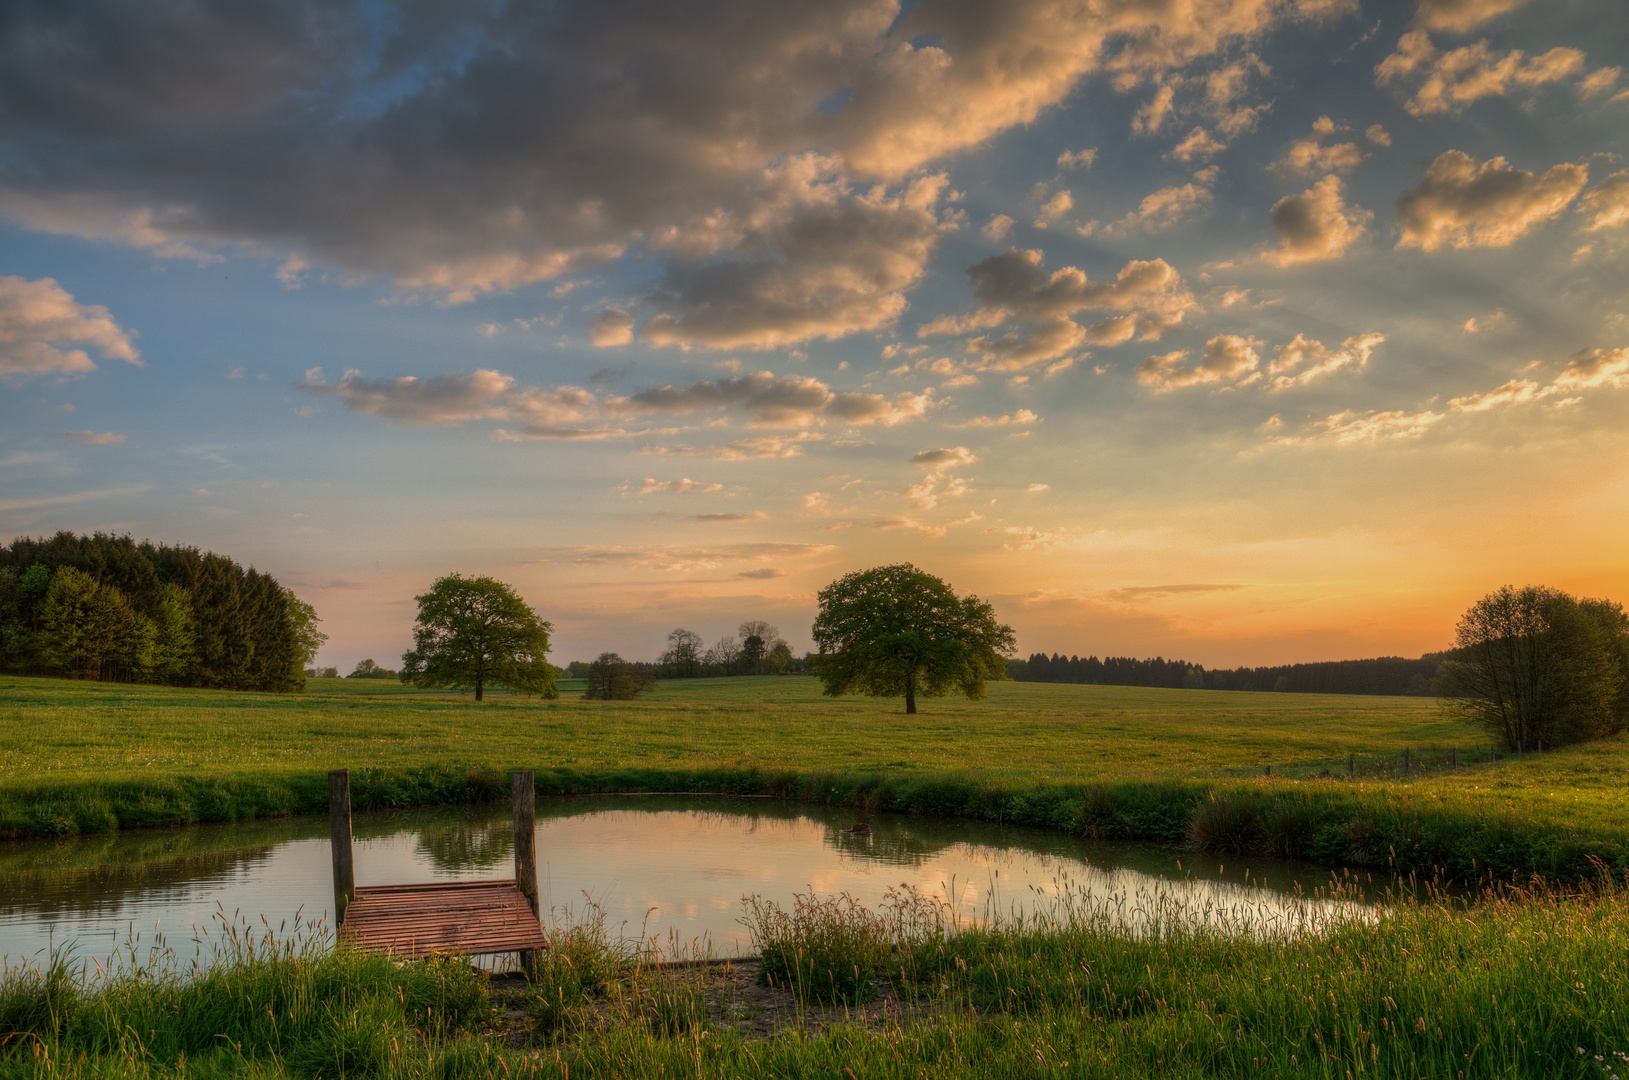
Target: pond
667	869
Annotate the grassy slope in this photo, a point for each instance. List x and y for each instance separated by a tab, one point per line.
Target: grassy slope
91	756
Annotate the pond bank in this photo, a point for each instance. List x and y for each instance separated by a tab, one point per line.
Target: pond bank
1332	822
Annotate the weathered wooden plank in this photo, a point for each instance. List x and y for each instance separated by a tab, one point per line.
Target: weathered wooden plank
339	839
466	917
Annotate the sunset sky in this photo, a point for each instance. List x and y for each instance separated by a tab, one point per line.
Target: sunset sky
1241	331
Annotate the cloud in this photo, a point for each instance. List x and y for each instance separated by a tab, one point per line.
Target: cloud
1595	368
1447	82
1020	418
764	574
437	402
1303	360
1608	202
1134	593
780	401
650	486
564	412
1315	225
1169	206
106	438
768	446
675	558
997	227
1466	203
810	256
1054	208
1227	358
1375	427
39	318
1599	81
1017	350
1077	159
944	457
1015	282
458	150
1377	134
754	515
1036	489
1310	155
43	502
611	327
1460	15
1198	146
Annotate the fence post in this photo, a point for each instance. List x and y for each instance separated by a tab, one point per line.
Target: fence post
1268	770
1408	765
1453	758
1351	766
339	839
525	810
1491	756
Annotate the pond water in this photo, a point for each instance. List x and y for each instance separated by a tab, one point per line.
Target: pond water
669	869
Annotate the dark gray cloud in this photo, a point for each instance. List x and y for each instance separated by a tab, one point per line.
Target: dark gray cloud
459	149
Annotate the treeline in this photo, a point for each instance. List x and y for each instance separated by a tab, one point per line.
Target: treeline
756	649
105	607
1393	675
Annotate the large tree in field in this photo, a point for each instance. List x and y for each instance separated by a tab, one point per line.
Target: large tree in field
475	631
1536	665
897	630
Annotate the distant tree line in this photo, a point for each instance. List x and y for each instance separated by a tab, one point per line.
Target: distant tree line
106	607
756	649
1392	675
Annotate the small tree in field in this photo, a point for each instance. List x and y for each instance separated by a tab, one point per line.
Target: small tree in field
1536	665
475	631
611	678
895	630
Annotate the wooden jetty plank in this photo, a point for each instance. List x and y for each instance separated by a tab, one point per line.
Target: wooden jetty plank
459	917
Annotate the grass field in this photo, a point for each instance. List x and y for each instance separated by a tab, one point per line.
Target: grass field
1120	761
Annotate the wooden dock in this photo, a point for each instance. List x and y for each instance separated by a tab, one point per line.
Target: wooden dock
465	918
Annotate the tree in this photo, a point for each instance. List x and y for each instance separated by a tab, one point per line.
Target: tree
307	638
725	653
611	678
1535	665
683	653
367	669
895	630
475	631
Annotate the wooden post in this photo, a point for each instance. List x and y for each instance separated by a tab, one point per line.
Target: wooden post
1267	770
1407	763
1351	766
339	832
1453	757
525	808
1491	757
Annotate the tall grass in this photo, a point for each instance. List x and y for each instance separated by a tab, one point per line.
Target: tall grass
1516	984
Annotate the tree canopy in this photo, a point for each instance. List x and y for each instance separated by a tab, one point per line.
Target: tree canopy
611	678
1534	665
472	632
897	630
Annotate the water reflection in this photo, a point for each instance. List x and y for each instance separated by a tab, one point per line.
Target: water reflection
660	867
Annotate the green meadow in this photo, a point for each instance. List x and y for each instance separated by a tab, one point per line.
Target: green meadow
1517	979
1119	762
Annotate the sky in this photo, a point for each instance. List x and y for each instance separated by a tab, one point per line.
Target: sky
1240	331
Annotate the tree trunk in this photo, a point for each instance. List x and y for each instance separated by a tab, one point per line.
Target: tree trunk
477	688
910	694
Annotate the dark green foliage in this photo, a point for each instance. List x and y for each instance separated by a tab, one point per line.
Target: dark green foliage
896	630
1537	666
105	607
1384	675
611	678
367	669
474	632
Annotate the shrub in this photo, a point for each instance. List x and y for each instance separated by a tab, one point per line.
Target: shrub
1229	825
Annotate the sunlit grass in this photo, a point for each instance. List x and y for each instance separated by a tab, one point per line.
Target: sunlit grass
1121	762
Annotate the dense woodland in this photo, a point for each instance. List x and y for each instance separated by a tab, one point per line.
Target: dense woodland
106	607
1383	675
